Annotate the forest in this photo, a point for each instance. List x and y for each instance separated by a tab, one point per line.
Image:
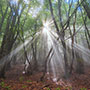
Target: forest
44	44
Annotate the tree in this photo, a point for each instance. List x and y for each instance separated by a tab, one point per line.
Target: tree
13	16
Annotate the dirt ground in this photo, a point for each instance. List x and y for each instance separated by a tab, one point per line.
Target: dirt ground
16	80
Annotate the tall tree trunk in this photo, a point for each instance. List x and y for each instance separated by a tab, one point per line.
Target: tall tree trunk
65	57
61	36
9	38
73	39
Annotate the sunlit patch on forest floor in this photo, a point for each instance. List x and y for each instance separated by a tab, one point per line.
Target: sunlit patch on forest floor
15	80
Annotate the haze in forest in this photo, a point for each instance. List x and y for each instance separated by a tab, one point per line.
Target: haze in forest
51	37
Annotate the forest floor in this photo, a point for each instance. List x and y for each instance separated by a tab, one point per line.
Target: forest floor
16	80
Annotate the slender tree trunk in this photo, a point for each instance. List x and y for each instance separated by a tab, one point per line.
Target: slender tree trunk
61	36
65	57
45	65
73	39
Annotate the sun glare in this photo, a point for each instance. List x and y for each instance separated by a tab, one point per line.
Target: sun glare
46	24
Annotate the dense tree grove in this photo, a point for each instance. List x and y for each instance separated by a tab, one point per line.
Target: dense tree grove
21	24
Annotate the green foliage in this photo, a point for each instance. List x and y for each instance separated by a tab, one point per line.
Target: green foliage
21	78
58	89
8	88
48	88
83	89
32	24
2	84
68	88
24	86
29	81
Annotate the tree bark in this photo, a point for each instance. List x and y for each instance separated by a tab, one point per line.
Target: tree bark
61	35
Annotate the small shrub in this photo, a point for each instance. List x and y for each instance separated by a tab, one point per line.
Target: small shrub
48	88
24	86
83	89
6	87
21	78
29	81
58	89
